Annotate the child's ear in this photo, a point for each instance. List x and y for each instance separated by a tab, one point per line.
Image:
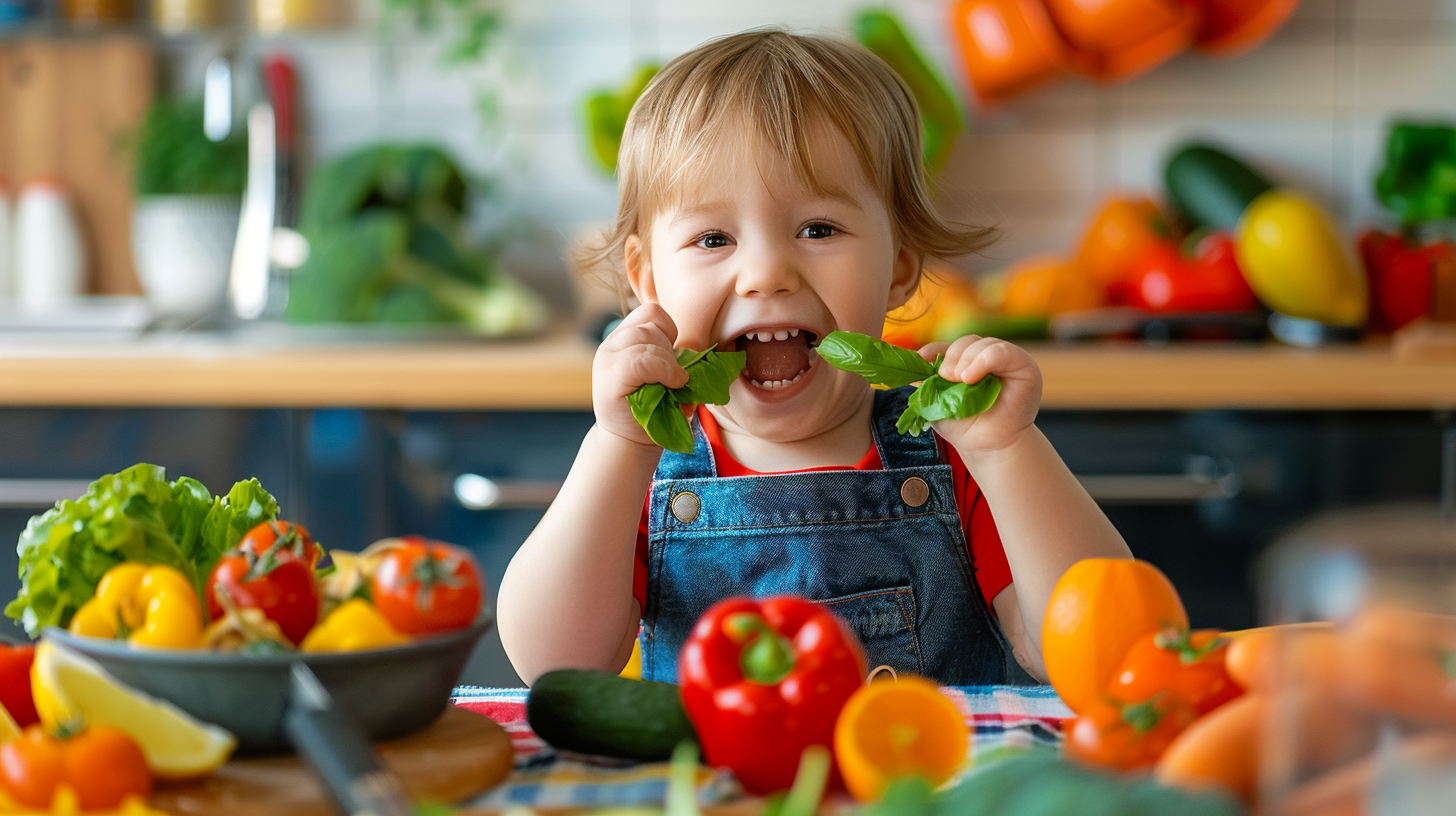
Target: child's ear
906	275
639	269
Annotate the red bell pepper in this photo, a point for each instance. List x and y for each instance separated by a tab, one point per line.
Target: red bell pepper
15	664
763	680
1163	279
1401	277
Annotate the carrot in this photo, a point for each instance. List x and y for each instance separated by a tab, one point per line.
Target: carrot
1251	655
1344	791
1400	662
1220	749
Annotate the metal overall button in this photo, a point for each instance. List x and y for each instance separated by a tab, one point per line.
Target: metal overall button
915	491
686	506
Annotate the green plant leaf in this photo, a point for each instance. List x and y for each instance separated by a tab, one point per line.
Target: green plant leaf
872	358
938	398
658	409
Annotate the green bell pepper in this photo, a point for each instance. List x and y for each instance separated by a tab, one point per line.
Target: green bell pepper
1418	181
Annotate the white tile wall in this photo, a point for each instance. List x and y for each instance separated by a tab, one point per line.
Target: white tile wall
1309	107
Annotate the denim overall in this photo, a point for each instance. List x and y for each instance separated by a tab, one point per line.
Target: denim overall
883	549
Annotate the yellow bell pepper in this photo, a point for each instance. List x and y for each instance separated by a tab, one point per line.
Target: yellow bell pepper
1296	263
354	626
149	605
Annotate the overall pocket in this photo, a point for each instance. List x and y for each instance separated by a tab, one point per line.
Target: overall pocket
884	622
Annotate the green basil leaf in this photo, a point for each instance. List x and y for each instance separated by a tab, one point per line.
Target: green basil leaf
872	358
710	376
938	398
657	407
656	410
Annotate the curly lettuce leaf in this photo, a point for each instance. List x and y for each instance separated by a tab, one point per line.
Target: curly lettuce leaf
133	515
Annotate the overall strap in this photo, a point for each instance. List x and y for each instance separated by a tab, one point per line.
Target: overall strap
696	465
899	450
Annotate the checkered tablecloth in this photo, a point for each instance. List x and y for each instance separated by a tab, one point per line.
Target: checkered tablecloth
1002	719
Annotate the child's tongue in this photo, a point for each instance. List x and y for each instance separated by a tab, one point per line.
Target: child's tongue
776	359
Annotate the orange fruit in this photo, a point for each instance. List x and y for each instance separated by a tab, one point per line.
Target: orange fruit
1098	609
893	729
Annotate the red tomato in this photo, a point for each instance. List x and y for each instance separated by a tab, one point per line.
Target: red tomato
1126	737
104	765
284	535
1188	666
423	586
31	766
15	683
279	583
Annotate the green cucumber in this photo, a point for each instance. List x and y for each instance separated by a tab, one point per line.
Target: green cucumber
1210	187
596	712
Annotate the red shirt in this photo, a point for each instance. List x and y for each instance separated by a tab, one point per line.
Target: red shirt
983	542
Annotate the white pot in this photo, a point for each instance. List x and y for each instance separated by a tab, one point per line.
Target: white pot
183	248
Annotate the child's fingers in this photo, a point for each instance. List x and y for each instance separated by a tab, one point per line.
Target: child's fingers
649	314
961	351
930	351
987	355
643	364
641	334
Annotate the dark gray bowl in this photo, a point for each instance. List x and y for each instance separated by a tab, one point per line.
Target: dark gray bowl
390	692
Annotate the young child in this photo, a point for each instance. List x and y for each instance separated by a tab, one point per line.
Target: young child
772	191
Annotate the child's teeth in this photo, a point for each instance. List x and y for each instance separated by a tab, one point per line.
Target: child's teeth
793	332
781	334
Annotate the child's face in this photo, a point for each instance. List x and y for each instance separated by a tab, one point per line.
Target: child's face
753	260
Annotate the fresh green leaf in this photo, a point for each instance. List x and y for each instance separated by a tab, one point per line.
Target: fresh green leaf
938	398
134	515
174	156
658	409
872	358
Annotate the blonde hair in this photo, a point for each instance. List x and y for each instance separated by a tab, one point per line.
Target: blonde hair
782	86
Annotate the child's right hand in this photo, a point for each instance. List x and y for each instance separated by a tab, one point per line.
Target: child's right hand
637	352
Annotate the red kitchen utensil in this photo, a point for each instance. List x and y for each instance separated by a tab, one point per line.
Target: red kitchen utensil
1231	27
1008	46
1119	39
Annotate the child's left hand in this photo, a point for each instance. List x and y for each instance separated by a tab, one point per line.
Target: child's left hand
969	359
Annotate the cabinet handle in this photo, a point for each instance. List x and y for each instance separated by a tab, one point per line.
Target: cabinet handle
38	494
476	492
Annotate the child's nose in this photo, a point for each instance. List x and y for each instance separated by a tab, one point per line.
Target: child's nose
767	272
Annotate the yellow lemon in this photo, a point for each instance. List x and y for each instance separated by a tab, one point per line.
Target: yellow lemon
8	729
70	687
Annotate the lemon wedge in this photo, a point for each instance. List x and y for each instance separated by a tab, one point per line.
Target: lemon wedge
69	687
8	729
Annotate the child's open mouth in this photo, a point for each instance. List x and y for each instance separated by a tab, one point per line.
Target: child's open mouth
777	357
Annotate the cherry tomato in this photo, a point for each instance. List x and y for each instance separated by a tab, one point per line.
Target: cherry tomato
1185	665
422	586
31	766
104	766
283	535
15	683
278	583
1126	737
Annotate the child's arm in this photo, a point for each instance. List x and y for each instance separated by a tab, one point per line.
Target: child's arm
1046	520
566	598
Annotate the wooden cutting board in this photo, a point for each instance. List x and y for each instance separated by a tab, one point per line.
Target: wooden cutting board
463	754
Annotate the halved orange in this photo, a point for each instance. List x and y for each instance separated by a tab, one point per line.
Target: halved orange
898	728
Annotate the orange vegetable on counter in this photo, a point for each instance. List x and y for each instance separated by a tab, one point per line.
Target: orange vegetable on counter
1252	652
1099	608
1127	737
1401	662
1182	665
1046	285
1121	232
101	764
1221	749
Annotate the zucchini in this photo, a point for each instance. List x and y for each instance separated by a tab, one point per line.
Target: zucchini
596	712
1210	187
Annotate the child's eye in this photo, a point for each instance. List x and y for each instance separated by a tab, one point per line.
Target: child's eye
713	240
817	231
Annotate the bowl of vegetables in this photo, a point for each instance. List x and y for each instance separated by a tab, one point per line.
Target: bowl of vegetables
207	602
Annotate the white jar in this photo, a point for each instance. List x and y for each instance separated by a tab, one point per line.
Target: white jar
7	245
50	258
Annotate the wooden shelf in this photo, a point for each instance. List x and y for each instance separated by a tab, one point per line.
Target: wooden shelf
554	373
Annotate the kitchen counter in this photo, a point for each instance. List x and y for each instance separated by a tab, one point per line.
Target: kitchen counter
553	373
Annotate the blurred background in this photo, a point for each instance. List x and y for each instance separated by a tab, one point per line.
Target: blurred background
324	243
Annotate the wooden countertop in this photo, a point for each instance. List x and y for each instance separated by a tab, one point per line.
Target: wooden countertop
553	373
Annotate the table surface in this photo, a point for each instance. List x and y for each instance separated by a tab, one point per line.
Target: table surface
554	373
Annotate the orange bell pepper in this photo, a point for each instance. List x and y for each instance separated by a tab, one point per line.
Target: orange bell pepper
1120	233
1119	39
1047	285
1008	46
